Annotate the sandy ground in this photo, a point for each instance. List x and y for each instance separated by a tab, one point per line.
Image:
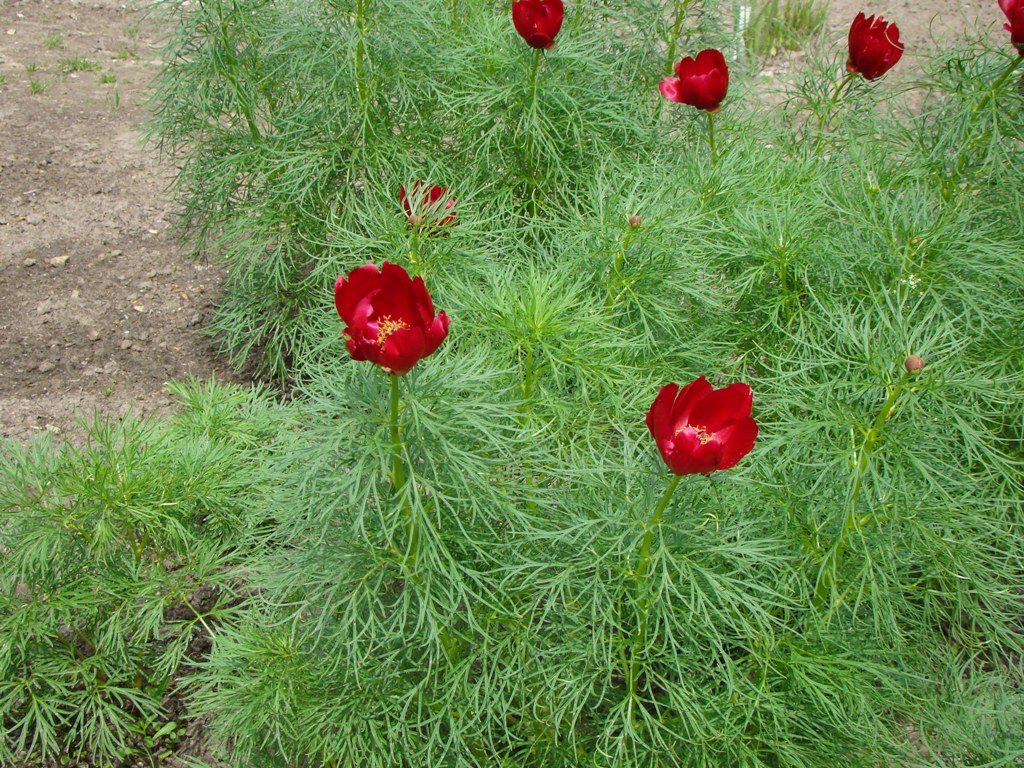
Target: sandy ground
98	304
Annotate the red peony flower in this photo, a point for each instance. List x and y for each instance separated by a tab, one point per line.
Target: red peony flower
1014	10
875	46
701	82
538	21
427	204
699	429
389	317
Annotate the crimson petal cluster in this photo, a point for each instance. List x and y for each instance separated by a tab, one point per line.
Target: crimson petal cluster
1014	10
538	21
700	429
875	46
389	317
701	82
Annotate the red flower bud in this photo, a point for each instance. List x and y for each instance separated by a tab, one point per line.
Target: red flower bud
1014	10
389	317
913	363
701	82
427	204
538	21
875	46
634	221
699	429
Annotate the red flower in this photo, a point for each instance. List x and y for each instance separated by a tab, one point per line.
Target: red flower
1014	10
427	205
538	21
875	46
699	429
389	317
700	82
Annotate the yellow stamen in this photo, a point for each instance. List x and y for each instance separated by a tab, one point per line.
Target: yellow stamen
386	326
703	435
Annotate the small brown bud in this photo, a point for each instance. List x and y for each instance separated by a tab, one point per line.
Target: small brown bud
913	363
635	221
414	220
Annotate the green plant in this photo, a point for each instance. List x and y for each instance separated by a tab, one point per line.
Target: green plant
32	67
116	561
783	25
107	78
77	64
485	561
38	86
53	41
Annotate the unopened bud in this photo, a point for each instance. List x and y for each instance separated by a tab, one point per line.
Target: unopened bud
414	220
913	363
634	221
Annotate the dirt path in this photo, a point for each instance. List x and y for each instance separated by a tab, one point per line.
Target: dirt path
98	305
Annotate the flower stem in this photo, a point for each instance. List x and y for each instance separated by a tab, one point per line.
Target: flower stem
830	108
531	160
414	251
1000	81
673	44
711	138
614	281
961	162
361	86
640	577
852	523
398	476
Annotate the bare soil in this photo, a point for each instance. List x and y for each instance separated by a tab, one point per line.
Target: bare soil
99	305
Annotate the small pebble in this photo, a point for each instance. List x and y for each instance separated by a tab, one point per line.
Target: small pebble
29	262
59	261
46	366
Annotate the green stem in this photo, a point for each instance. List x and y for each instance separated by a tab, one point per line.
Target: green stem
830	108
529	376
784	281
414	251
531	160
361	86
640	577
711	138
673	44
1000	81
398	476
851	522
614	279
229	73
961	162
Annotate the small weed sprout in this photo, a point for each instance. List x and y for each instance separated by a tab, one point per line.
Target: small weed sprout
77	64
